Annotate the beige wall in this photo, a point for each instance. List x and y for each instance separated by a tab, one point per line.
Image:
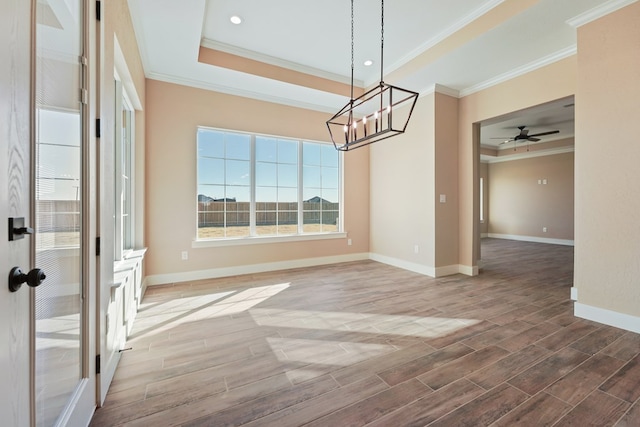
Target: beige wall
446	182
607	264
402	191
406	184
521	206
173	114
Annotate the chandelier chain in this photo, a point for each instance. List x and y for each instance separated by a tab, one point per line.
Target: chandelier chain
382	41
352	55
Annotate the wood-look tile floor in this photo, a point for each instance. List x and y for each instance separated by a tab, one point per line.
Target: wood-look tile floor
365	343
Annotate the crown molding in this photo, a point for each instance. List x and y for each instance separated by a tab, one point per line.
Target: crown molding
198	84
442	89
443	35
267	59
598	12
516	72
527	155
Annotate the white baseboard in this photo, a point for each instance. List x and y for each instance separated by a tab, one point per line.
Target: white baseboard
574	293
405	265
532	239
162	279
469	270
607	317
447	270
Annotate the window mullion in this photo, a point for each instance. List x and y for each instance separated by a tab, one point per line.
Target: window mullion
252	190
300	189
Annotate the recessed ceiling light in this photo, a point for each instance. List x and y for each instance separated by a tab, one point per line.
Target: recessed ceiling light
235	19
368	63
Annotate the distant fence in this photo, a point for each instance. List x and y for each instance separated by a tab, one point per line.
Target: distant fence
212	214
57	215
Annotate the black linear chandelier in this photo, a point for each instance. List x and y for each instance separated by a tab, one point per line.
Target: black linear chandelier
376	114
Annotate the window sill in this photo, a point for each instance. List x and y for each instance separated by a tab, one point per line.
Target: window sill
212	243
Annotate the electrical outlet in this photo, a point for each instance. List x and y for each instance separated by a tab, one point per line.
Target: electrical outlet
349	242
416	249
544	229
185	255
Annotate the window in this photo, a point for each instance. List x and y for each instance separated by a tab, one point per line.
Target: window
256	185
123	152
481	199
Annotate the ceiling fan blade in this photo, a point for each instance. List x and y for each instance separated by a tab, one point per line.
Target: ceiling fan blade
504	137
551	132
533	139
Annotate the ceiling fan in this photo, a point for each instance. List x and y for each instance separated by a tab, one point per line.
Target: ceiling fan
524	135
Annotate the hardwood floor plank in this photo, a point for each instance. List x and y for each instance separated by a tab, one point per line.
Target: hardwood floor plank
508	367
374	407
265	405
322	405
568	335
416	367
432	406
211	405
497	334
584	379
530	336
541	410
624	348
540	375
355	372
631	418
624	384
485	409
598	410
456	369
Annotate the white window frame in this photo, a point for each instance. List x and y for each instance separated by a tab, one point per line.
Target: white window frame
253	238
124	180
481	199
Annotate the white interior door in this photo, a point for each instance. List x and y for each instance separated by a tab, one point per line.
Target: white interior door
45	375
15	107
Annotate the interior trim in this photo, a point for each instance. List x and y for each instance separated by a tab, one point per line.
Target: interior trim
598	12
516	72
163	279
534	239
607	317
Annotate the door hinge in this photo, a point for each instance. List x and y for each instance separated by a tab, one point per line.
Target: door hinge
97	246
98	10
83	96
97	364
97	128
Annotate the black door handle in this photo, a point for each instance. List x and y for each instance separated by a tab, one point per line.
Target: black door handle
17	229
33	278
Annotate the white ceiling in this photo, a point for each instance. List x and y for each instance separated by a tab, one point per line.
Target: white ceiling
314	37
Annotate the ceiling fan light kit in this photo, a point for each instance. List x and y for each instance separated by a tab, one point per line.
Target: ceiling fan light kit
380	113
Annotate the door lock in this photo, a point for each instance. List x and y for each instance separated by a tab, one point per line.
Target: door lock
17	229
33	278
